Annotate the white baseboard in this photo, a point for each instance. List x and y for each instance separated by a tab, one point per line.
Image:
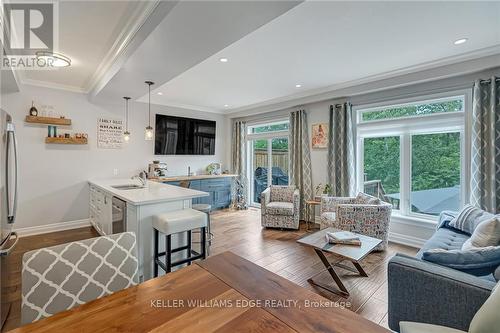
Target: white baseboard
43	229
406	240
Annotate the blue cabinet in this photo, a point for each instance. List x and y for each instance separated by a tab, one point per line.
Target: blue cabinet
219	190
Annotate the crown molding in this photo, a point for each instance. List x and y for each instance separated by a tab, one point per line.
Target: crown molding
153	14
490	56
53	85
129	30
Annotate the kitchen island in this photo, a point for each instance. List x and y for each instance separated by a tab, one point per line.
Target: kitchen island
140	204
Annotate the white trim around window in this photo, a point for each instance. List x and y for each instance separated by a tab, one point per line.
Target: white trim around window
405	128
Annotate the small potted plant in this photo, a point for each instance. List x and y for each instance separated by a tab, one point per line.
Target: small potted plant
326	189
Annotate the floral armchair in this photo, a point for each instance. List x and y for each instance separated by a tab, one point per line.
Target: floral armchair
280	207
362	214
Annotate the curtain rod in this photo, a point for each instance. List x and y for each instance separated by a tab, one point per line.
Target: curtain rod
489	80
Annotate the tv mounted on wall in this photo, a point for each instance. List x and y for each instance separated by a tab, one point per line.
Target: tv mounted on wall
184	136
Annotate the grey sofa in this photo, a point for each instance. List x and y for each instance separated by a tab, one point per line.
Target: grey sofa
421	291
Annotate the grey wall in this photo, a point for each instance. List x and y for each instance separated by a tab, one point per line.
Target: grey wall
402	230
318	111
52	186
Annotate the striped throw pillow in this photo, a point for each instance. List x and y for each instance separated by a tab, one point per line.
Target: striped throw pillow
469	218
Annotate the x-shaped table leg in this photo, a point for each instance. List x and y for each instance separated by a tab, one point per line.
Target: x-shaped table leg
342	291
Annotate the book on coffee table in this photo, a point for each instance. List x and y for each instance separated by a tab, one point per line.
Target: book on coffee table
343	237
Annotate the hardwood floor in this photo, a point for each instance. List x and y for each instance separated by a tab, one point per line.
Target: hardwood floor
14	260
276	250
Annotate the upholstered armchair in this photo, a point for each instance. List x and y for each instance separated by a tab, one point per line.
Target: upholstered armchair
362	214
280	207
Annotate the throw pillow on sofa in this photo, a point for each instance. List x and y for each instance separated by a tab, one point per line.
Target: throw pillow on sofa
478	261
365	199
469	218
487	233
486	318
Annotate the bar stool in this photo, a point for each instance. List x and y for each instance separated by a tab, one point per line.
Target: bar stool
205	208
184	220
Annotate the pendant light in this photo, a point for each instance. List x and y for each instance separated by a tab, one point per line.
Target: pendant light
126	134
148	135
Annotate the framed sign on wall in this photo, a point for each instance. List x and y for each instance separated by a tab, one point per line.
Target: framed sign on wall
109	133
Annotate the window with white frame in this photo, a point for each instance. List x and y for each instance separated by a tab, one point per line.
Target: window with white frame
414	153
267	156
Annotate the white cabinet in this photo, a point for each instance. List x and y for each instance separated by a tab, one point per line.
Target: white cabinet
101	215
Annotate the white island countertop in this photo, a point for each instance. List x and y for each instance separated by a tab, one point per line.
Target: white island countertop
153	192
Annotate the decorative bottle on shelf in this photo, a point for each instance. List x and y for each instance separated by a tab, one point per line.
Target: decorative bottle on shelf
52	131
33	110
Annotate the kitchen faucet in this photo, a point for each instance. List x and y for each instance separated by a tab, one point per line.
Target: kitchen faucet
142	177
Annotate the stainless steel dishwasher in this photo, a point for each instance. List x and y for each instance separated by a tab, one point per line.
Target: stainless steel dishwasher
119	216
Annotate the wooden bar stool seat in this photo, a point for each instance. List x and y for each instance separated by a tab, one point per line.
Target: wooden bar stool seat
179	221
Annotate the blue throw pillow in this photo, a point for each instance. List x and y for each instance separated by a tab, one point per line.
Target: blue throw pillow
478	261
469	218
445	218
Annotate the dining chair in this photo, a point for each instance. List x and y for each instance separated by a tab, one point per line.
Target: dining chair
60	277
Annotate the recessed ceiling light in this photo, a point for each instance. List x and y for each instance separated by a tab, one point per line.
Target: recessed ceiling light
460	41
226	105
298	86
223	60
160	93
53	59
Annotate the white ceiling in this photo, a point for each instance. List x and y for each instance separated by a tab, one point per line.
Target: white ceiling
322	44
87	32
181	37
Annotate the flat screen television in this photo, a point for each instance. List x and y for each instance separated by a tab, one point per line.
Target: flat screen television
184	136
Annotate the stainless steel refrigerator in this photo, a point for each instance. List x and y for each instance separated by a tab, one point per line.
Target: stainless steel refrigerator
8	206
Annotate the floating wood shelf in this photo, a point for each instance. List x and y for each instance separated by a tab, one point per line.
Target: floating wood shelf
66	141
48	120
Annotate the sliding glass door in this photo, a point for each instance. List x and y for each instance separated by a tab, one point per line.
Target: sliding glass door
279	161
260	162
268	158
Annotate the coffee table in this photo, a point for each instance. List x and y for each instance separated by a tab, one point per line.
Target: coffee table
342	253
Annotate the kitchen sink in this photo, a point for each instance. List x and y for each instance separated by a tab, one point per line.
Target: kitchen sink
127	187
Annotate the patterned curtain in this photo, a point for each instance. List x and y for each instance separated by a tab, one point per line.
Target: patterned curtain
341	151
485	164
240	189
300	157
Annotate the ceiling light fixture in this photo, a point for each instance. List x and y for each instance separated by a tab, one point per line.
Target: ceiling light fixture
53	59
223	60
160	93
226	105
298	86
460	41
148	135
126	134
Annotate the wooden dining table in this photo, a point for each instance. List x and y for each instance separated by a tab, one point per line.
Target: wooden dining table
224	293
